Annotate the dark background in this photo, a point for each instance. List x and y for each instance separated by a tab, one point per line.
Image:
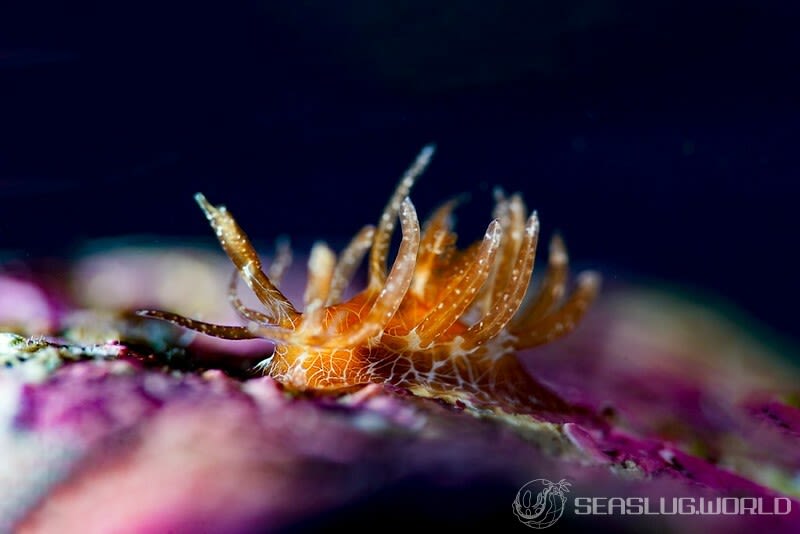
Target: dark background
659	137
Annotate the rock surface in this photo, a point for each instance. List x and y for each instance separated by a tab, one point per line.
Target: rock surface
113	423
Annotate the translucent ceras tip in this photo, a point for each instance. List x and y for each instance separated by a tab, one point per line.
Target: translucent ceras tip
590	280
426	153
407	207
208	209
532	226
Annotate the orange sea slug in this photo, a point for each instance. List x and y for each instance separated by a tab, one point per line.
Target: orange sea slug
441	322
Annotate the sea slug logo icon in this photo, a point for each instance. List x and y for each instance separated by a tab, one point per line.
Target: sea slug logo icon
540	502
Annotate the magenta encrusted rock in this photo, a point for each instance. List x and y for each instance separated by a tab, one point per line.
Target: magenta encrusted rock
112	423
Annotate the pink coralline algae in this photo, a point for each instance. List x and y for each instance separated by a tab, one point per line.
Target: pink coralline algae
110	422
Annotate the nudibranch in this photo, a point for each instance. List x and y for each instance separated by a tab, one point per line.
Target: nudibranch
441	322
